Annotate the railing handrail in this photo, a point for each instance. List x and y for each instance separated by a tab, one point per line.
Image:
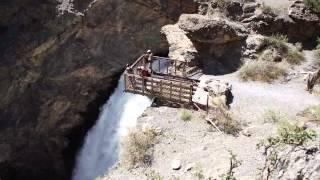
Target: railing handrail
137	61
159	57
185	80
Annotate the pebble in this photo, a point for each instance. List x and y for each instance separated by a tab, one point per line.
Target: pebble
246	132
176	164
189	166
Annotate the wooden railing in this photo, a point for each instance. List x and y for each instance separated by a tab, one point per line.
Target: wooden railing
172	89
174	66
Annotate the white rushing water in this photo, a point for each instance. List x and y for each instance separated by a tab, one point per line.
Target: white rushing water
101	147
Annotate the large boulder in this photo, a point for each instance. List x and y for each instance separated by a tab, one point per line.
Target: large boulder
295	163
213	43
180	46
205	29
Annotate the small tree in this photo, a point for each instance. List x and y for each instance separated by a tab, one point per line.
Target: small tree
234	163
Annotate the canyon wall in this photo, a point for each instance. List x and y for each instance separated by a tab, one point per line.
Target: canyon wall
56	71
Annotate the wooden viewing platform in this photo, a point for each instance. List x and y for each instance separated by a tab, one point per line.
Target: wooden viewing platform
166	81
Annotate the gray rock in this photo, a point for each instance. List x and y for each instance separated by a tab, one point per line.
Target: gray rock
189	166
180	46
206	29
246	132
249	7
176	164
297	163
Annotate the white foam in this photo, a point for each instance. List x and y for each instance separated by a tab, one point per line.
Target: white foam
101	147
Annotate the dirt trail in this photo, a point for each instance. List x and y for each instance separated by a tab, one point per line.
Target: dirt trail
252	99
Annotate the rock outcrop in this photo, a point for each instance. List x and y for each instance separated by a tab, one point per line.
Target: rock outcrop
296	163
214	43
180	46
291	22
204	29
56	71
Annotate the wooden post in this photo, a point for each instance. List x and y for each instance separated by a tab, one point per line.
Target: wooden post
184	70
191	93
171	90
207	104
180	92
143	85
151	84
175	67
168	67
159	66
160	87
125	81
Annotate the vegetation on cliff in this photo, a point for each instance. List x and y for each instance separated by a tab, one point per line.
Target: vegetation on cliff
313	4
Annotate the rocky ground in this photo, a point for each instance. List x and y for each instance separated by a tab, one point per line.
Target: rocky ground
195	149
200	148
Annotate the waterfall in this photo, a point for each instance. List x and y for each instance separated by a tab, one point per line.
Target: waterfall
101	147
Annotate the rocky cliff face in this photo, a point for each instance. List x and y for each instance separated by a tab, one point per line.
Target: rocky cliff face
56	71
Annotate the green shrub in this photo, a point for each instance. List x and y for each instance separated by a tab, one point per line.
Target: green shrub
274	116
289	133
277	45
185	115
280	37
137	148
276	41
313	4
234	163
261	71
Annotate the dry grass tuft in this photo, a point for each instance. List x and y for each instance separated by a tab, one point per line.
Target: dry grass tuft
294	56
185	115
274	116
277	41
226	121
261	71
138	148
153	175
312	113
276	45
